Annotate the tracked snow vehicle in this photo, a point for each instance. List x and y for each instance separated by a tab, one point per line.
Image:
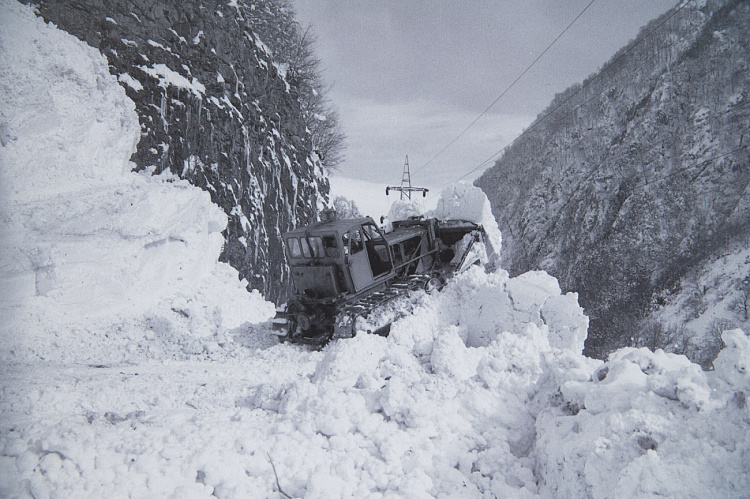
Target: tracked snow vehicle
345	272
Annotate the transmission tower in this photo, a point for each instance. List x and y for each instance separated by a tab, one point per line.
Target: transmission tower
406	188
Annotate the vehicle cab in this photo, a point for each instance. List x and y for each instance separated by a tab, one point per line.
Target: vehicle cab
335	257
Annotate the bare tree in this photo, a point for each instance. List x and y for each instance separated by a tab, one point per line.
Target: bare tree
713	341
742	302
294	48
346	208
654	335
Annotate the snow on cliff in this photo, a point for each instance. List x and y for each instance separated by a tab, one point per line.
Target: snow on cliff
135	365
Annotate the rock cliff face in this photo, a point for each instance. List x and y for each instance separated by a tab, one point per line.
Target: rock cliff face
215	109
631	178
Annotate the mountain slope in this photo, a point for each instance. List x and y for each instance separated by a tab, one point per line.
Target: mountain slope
214	109
627	180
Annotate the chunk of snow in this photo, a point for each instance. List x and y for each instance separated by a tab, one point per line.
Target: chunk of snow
733	362
463	201
529	291
156	44
404	208
167	77
179	37
130	81
568	326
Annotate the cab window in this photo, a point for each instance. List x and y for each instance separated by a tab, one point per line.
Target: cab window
316	244
353	240
311	247
294	248
371	232
305	248
331	248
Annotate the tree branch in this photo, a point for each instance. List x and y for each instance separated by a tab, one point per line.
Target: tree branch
278	485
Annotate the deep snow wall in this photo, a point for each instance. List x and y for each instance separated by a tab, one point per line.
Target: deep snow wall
214	109
636	175
90	252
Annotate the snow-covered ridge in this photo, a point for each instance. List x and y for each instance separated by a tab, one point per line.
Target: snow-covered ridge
711	298
646	181
123	374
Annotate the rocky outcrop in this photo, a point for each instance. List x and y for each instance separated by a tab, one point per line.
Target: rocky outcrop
631	178
215	109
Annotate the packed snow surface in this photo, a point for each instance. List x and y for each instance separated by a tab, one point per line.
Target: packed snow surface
136	365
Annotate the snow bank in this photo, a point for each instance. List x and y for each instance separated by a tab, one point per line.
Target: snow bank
459	201
463	201
484	306
437	409
65	125
83	240
646	424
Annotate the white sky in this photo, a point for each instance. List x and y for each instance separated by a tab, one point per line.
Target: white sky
409	76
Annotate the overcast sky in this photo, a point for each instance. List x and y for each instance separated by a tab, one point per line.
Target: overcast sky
408	76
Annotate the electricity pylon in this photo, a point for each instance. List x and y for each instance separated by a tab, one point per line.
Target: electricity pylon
406	188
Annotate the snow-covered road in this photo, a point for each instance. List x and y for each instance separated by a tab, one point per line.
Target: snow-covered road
156	429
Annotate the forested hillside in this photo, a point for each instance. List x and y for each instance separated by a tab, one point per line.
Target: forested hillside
630	179
229	97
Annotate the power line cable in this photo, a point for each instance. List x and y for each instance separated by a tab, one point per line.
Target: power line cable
566	100
638	186
507	89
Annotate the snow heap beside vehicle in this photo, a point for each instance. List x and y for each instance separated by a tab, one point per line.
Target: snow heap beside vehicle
83	240
458	201
463	201
483	390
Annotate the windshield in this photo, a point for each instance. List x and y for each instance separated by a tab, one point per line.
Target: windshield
294	249
312	247
371	232
317	247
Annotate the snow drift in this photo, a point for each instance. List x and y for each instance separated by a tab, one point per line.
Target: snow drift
460	201
83	240
130	367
